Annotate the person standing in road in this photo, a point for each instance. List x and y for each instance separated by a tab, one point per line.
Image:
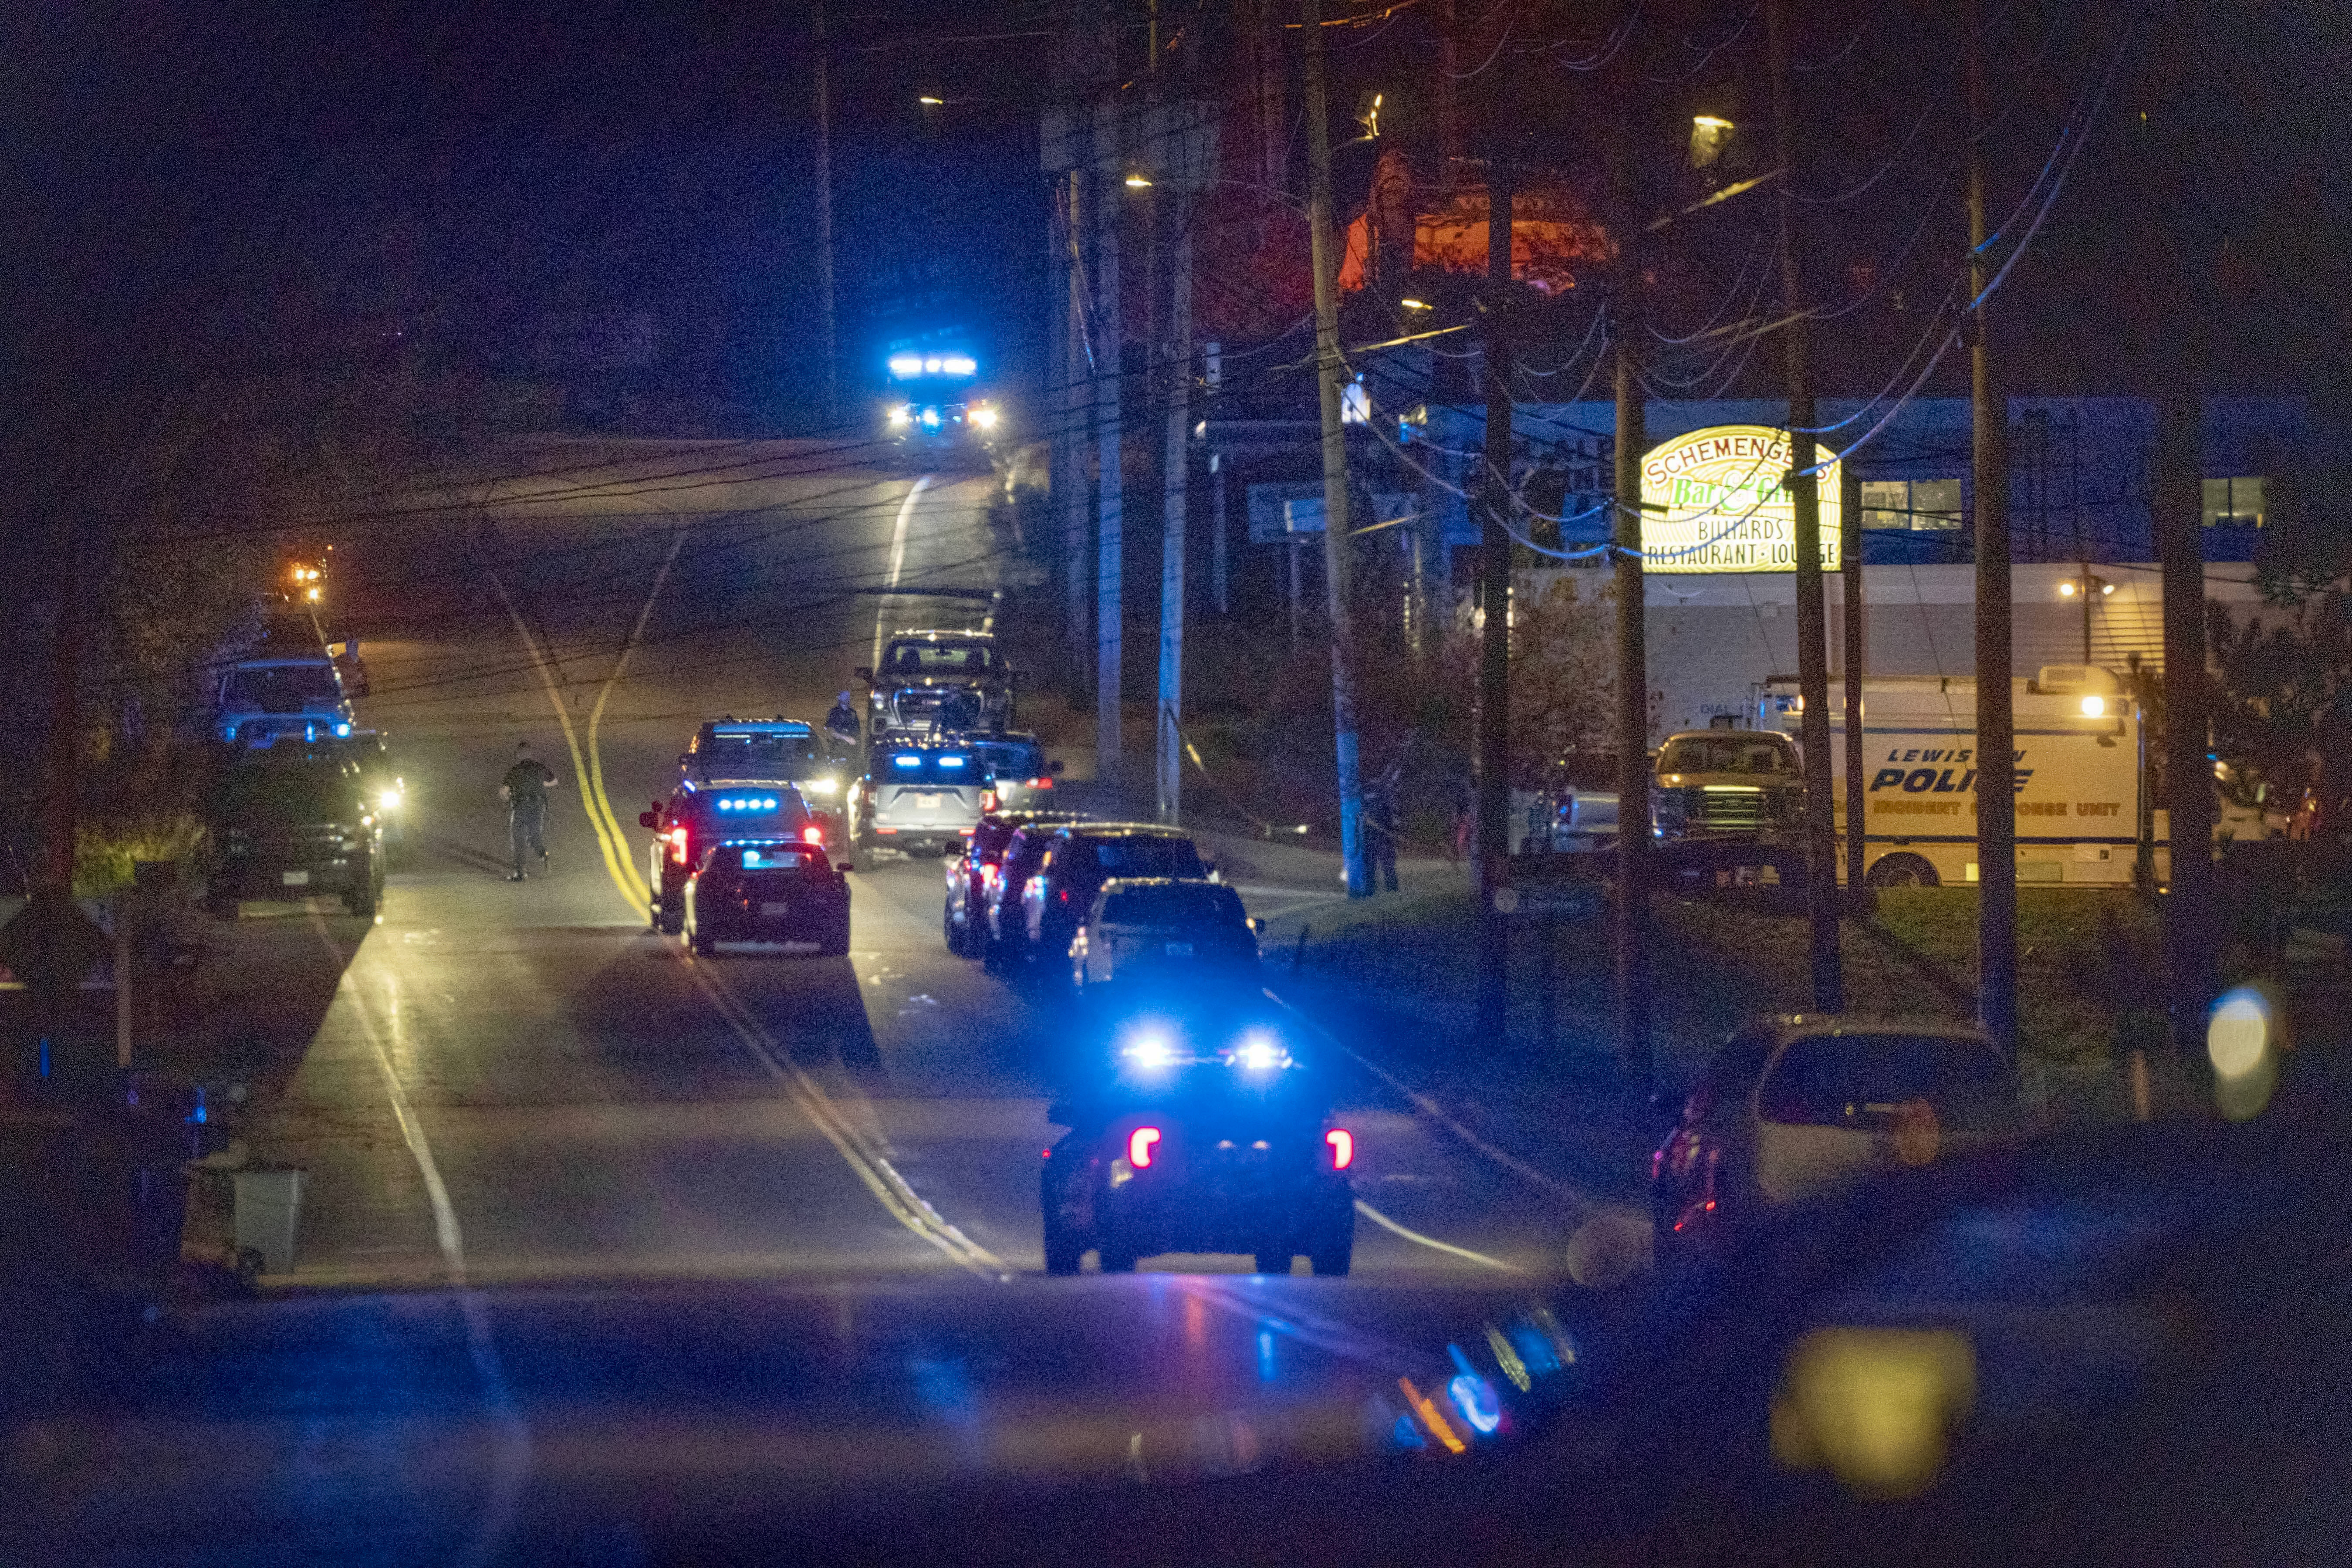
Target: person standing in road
524	790
841	729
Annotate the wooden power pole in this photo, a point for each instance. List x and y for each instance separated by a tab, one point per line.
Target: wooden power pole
1488	870
1805	503
1329	370
1996	797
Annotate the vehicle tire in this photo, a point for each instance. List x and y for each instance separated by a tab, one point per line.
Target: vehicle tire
1063	1247
947	931
670	919
700	945
1902	871
837	944
1335	1248
1114	1258
1274	1259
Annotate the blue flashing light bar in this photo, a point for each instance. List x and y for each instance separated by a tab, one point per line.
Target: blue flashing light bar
906	760
950	762
749	802
907	366
760	727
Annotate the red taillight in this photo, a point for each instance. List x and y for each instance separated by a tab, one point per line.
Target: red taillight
1343	1147
1041	784
677	845
988	874
1139	1147
812	834
988	800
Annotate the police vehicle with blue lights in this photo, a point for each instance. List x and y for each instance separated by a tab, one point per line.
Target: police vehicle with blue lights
297	695
698	819
780	751
931	406
1206	1132
925	800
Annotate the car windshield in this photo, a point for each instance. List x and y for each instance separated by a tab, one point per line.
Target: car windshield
1728	755
1841	1079
281	688
1180	904
1149	858
929	659
1013	758
756	755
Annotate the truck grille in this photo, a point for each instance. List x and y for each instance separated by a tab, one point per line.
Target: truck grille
1730	808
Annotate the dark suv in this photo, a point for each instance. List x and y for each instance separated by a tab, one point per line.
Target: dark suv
1058	899
977	875
767	893
1205	1136
696	820
291	822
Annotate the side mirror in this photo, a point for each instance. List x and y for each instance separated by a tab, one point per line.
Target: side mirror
1055	766
1257	924
649	819
864	672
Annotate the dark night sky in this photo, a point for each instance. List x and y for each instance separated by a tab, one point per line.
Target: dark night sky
227	183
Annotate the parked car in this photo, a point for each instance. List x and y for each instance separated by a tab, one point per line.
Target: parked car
1791	1105
974	878
292	822
1058	897
1005	929
1157	928
1024	778
920	799
380	784
938	685
767	893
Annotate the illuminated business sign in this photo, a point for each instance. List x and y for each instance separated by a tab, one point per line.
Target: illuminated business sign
1715	500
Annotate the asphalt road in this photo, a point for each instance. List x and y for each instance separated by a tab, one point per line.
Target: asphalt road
521	1082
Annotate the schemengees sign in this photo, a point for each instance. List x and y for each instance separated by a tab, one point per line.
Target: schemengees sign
1714	500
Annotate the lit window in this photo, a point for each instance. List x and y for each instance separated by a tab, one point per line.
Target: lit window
2233	503
1925	504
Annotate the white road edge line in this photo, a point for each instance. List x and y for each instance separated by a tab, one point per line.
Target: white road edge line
891	1189
1584	1202
513	1465
1377	1219
897	559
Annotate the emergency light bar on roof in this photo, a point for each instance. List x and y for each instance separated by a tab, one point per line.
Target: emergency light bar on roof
908	366
760	727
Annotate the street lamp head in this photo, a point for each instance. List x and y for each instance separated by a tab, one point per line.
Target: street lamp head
1710	135
1415	304
929	101
1139	182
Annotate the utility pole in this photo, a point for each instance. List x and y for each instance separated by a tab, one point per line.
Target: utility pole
1854	634
1109	354
1329	372
1490	867
1629	933
1996	797
827	347
1805	503
1175	467
2188	767
1069	404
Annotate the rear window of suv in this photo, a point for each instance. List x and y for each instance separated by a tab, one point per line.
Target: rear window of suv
1728	755
939	768
1846	1081
280	688
1185	904
1148	858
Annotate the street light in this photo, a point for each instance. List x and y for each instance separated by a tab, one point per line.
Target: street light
1415	304
1139	182
1710	135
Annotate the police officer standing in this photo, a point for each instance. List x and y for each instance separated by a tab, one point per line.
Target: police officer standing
841	729
524	789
